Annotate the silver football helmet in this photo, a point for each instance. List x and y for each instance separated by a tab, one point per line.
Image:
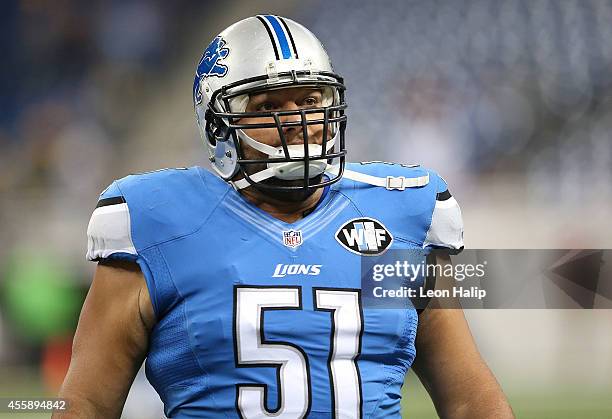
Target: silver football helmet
258	54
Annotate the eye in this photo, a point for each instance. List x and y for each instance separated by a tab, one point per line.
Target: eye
266	107
311	101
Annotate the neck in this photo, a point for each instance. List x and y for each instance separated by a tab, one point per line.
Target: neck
287	211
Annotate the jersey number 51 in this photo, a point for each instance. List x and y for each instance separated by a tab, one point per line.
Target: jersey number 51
292	370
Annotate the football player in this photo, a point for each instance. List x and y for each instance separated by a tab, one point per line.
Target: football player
242	287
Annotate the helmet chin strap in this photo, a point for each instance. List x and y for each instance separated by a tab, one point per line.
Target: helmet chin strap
291	170
400	183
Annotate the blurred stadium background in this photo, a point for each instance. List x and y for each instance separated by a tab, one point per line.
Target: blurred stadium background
511	101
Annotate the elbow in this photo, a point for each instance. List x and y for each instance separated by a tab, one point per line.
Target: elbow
481	406
83	407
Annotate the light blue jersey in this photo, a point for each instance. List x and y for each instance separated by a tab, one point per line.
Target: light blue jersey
262	318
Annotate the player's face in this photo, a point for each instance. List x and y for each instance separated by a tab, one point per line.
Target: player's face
289	99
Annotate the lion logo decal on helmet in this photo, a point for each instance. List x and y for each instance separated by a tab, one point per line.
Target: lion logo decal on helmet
209	65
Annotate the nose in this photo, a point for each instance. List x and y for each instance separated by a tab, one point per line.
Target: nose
293	134
291	106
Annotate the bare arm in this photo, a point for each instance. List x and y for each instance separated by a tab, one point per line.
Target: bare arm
452	370
110	344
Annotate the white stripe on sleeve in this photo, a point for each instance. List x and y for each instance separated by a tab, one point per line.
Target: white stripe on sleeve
446	228
109	232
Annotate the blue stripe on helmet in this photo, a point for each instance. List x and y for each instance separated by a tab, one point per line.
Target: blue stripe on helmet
280	34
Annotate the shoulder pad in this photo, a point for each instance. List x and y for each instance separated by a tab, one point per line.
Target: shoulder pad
446	228
108	232
143	210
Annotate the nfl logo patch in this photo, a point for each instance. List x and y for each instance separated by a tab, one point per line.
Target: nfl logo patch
292	238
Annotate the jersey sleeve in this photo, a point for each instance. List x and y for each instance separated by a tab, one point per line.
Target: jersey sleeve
446	228
109	231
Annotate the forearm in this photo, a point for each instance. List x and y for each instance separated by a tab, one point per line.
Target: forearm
94	389
481	402
458	380
82	407
481	407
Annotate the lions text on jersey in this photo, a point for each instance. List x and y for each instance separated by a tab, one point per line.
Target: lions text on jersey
260	318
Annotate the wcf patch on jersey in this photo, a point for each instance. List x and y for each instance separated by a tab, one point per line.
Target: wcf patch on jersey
364	236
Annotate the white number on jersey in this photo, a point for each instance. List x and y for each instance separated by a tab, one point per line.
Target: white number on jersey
293	374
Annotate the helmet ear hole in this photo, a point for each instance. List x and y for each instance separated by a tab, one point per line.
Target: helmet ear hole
216	130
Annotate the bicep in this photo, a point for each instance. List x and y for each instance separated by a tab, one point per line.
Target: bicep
111	340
